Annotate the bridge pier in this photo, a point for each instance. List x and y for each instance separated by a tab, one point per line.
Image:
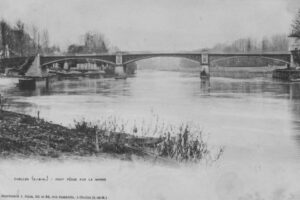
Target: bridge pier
120	70
204	72
294	49
293	64
292	72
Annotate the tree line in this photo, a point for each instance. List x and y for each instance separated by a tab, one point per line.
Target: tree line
274	43
25	40
91	42
296	26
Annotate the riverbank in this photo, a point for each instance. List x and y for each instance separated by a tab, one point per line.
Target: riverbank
28	136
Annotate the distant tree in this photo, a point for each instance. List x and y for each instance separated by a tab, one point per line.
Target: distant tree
34	34
20	35
296	25
93	42
22	41
265	44
45	47
219	47
73	49
279	42
4	32
248	45
114	49
45	39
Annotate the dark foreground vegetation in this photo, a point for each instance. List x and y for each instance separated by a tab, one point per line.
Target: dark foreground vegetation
29	136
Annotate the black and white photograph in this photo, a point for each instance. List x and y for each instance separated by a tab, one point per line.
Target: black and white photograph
150	100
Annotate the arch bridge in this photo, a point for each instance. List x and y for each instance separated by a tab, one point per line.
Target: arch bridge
121	59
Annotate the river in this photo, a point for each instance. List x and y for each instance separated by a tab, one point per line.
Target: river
257	120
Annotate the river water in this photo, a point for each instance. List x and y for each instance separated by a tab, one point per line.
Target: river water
257	120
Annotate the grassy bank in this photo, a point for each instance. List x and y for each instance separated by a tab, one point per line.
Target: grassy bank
29	136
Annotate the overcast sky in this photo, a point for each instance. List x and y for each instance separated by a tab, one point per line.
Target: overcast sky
154	24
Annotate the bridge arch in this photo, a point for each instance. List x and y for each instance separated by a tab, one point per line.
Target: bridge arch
79	58
194	58
261	57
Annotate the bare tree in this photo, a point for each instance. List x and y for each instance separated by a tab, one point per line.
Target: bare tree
279	43
24	41
4	32
20	35
296	25
95	42
265	44
34	35
45	41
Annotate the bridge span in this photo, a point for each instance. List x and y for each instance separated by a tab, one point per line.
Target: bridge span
121	59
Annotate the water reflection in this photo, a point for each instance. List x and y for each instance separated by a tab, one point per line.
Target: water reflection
205	86
294	96
250	116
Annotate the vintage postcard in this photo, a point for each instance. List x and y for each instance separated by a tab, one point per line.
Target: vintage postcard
145	100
